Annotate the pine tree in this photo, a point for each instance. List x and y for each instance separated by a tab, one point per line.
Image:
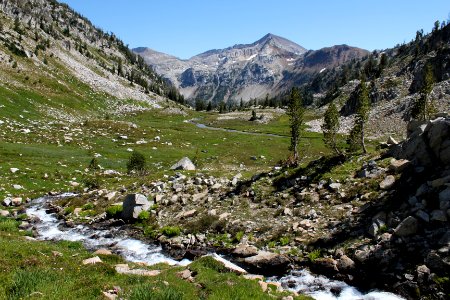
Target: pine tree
330	128
423	107
356	139
295	112
209	107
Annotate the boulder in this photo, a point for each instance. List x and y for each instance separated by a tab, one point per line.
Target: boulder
438	215
186	214
436	263
7	201
125	269
387	183
324	265
398	165
103	251
92	261
268	262
345	263
4	213
444	195
244	250
408	226
427	145
133	205
184	164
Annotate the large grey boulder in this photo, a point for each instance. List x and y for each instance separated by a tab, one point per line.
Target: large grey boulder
268	262
133	205
427	144
408	226
184	164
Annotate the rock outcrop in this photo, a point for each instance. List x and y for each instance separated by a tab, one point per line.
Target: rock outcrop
133	205
427	145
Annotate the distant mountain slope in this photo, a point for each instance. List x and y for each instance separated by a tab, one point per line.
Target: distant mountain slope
54	62
270	65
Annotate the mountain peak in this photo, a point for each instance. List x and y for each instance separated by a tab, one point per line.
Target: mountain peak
282	43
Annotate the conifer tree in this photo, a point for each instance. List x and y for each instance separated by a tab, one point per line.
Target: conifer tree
423	107
356	138
295	112
330	128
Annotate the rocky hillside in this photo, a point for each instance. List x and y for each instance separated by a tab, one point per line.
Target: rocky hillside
269	66
394	77
55	62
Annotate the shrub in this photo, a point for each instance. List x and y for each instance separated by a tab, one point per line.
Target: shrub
93	165
239	235
88	206
114	211
136	163
69	210
144	215
204	223
284	240
313	255
171	231
91	182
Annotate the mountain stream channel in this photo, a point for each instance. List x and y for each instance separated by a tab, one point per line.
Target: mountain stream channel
49	227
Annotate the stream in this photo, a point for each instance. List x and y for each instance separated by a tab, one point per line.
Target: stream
51	228
203	126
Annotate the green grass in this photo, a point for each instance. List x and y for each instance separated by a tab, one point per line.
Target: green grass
30	270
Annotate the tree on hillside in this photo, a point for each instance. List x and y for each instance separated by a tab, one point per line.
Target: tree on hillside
330	128
356	139
423	107
209	107
295	112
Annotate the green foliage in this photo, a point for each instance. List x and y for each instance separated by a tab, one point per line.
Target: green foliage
92	182
206	223
330	128
239	235
8	225
150	292
284	240
356	139
94	165
137	163
296	113
313	255
144	215
171	231
25	282
88	206
208	262
114	211
423	108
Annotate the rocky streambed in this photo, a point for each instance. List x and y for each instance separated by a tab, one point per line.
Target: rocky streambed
48	226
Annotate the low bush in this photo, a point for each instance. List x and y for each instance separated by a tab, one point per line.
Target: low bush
114	211
171	231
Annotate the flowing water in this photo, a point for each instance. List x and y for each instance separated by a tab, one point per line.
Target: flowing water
51	228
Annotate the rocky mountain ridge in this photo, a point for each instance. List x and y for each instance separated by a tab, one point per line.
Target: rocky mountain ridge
49	51
267	66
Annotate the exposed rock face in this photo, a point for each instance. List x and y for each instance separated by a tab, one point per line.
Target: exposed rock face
133	205
184	164
427	144
270	65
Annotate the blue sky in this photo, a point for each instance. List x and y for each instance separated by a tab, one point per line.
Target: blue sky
185	28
